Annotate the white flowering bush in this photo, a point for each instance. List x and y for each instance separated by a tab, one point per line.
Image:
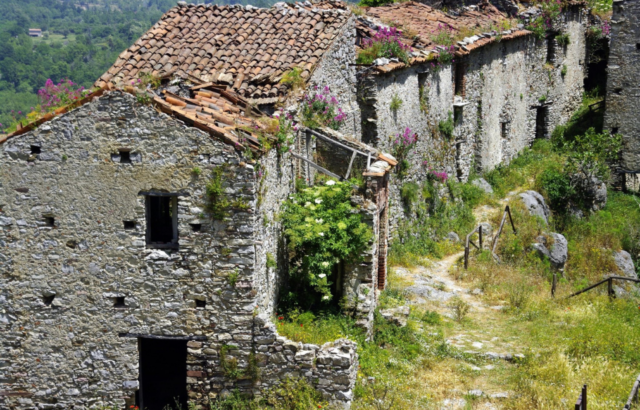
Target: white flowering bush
322	229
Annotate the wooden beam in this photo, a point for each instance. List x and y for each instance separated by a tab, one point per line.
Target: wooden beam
316	166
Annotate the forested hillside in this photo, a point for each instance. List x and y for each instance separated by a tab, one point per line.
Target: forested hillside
81	40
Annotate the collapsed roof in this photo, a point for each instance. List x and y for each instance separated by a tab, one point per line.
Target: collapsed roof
246	48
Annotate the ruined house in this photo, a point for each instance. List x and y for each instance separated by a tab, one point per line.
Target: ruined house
623	93
135	225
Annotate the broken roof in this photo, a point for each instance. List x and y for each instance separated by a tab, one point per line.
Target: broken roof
212	108
246	48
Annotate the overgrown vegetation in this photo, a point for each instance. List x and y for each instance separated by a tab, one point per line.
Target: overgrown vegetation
446	127
385	43
322	229
293	79
321	109
217	202
402	145
396	103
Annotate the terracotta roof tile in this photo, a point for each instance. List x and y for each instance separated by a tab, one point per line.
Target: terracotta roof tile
231	39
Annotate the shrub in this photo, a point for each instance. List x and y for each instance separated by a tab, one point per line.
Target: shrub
563	72
217	202
563	39
321	109
293	78
589	154
322	229
556	186
385	43
396	103
460	308
401	146
295	394
446	127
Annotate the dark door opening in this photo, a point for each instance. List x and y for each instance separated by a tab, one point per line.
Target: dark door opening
163	374
542	114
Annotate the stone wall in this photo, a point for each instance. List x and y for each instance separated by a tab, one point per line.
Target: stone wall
332	368
63	234
336	71
623	91
504	83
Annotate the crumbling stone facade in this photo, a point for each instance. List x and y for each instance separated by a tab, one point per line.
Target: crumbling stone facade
83	289
510	93
623	92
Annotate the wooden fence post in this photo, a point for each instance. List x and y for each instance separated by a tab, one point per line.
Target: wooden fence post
553	285
610	288
480	236
584	397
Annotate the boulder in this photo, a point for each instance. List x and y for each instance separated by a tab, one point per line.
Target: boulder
592	191
536	205
483	184
453	237
625	264
558	253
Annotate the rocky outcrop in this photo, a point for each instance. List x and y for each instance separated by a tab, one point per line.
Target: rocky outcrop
625	264
483	184
558	252
535	204
592	192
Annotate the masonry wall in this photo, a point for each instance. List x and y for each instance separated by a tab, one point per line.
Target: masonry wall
623	91
503	83
71	353
336	70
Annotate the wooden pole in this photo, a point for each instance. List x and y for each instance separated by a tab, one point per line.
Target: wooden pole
480	237
553	285
584	397
610	288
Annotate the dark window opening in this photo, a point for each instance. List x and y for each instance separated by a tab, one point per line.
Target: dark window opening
35	149
50	221
503	129
542	114
618	90
125	156
457	115
196	227
551	50
48	300
119	302
614	130
459	79
129	224
163	374
637	46
162	221
201	303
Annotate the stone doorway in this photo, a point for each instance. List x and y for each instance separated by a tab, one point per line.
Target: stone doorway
163	374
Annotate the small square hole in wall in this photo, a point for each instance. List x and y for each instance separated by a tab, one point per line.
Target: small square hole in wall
48	300
614	130
35	149
129	224
50	221
637	46
72	244
618	90
196	227
125	156
119	302
201	303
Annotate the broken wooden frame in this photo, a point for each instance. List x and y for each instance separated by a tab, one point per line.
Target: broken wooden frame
609	282
581	403
306	158
507	211
633	396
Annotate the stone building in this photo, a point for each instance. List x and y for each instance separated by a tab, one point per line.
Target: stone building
116	250
623	91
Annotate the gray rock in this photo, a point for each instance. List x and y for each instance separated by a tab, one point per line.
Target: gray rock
592	191
534	202
558	253
483	184
625	263
453	237
476	393
397	316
